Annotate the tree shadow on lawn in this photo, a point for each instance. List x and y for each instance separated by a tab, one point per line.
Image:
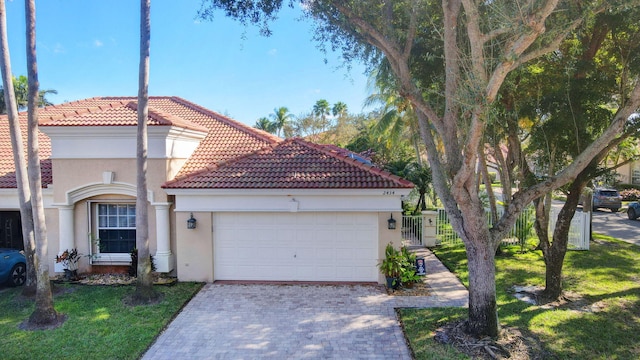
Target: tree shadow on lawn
592	327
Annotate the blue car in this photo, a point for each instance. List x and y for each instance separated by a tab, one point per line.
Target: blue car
13	267
634	210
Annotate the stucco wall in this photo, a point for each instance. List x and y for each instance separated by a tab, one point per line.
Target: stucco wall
194	247
625	172
74	173
386	236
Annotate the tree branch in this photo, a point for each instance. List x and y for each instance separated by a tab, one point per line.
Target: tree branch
522	198
517	46
411	33
476	39
397	61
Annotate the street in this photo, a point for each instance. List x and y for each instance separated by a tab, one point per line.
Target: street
616	225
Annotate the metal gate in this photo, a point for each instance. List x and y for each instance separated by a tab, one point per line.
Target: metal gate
579	233
412	231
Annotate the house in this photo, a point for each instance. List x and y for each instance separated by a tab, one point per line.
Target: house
629	173
226	201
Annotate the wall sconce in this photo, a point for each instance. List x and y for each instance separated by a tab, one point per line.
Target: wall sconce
391	223
191	223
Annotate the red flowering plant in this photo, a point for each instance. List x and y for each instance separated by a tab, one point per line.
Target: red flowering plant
69	259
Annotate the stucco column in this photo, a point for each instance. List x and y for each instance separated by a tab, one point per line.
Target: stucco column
429	219
66	233
163	259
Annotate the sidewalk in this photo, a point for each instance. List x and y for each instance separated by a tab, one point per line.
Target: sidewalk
446	288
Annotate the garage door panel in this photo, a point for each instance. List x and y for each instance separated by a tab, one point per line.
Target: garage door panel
295	246
365	255
325	255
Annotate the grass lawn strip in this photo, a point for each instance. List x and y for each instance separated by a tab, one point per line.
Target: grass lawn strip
600	324
99	325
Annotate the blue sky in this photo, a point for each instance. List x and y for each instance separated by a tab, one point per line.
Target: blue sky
90	48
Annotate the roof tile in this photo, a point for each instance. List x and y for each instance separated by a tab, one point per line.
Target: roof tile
292	164
237	138
232	154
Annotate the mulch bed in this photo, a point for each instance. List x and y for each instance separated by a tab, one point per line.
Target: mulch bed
418	289
116	280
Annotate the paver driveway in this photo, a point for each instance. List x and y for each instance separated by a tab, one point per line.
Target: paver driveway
287	322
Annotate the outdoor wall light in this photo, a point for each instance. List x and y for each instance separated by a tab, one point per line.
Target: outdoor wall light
391	223
191	223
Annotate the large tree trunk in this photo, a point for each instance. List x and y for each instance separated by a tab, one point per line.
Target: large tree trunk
44	312
483	308
555	252
144	285
22	182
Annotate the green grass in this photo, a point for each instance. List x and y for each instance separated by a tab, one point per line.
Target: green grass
99	325
607	275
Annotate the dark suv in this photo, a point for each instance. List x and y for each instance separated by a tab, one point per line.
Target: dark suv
607	198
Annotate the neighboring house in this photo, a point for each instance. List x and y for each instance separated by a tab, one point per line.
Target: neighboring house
265	208
629	173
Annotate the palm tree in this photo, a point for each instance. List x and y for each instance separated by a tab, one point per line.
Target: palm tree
339	109
144	293
421	177
322	109
281	117
398	120
20	86
44	313
265	124
24	192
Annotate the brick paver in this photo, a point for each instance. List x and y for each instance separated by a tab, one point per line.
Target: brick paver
245	321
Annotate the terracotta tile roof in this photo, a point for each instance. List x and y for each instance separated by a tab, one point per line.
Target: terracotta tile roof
232	155
226	138
291	164
117	114
7	165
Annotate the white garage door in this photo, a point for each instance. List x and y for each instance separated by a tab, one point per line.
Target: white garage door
296	246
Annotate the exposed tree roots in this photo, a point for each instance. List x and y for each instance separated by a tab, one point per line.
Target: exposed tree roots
511	344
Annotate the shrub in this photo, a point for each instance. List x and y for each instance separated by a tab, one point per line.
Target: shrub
627	186
133	266
630	194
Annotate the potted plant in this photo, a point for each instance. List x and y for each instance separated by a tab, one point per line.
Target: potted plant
391	266
69	259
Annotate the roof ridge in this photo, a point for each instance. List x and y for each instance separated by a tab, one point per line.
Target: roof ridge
263	135
55	106
167	118
158	115
47	120
356	163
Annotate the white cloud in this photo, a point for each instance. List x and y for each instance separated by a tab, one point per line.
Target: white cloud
97	43
58	48
272	52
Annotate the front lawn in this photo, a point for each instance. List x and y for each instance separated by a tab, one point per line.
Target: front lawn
99	325
602	321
